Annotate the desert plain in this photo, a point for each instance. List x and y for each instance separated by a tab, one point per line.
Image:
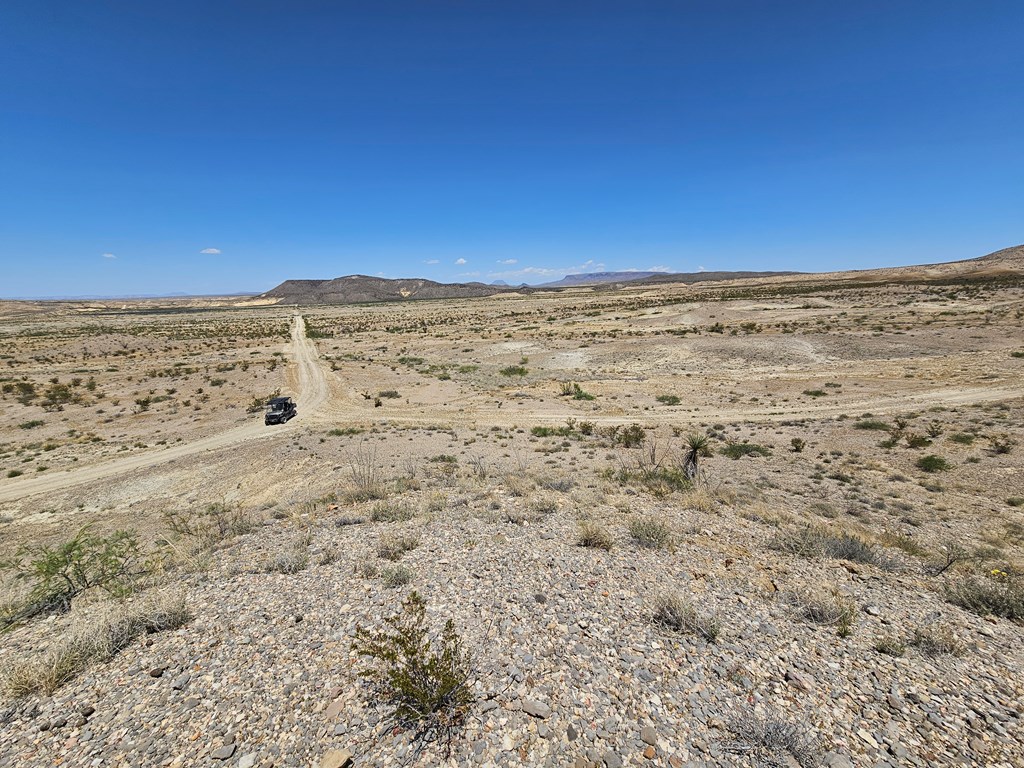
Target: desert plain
840	583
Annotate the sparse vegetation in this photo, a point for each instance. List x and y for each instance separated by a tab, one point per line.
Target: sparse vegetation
651	533
595	535
424	681
679	615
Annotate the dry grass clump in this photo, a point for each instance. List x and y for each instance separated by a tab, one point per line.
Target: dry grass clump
814	541
393	547
773	741
594	535
397	576
543	504
518	485
890	645
97	637
828	608
213	525
650	532
678	614
997	594
293	558
936	641
392	512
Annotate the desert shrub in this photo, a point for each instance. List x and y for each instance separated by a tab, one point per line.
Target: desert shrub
259	403
345	431
212	525
343	520
739	450
393	547
514	370
14	473
650	532
679	615
798	444
291	559
936	641
628	437
424	681
815	392
575	391
518	484
998	594
388	394
932	463
773	741
828	608
31	424
543	504
668	399
812	541
392	512
397	576
98	638
915	440
1016	501
963	438
551	431
871	424
890	645
365	475
57	574
595	535
1001	444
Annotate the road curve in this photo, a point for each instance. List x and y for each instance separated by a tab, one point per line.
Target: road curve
311	397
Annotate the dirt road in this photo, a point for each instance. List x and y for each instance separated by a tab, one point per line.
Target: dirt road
311	393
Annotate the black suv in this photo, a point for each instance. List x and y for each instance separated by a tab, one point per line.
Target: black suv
279	410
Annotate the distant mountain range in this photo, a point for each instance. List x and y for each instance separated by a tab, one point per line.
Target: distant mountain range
358	289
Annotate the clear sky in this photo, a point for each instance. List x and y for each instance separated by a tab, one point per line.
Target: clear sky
226	146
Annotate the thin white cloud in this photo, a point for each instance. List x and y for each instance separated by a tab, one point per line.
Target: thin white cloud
460	261
109	256
546	274
700	268
432	261
659	268
469	274
508	261
214	251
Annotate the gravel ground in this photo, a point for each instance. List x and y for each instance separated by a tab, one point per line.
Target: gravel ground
570	668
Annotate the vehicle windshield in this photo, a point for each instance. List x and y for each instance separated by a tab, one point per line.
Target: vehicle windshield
275	407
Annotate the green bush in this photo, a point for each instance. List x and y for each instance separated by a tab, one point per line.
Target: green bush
999	594
514	370
739	450
57	574
932	463
650	533
424	681
668	399
872	424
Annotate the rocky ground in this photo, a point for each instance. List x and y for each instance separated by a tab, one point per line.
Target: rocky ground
276	554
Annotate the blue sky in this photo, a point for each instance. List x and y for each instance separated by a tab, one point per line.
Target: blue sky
217	147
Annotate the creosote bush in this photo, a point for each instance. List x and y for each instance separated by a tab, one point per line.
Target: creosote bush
424	680
674	612
932	463
214	524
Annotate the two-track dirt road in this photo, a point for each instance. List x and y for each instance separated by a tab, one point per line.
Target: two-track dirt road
323	399
311	395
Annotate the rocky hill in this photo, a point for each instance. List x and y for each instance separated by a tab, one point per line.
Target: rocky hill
357	289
